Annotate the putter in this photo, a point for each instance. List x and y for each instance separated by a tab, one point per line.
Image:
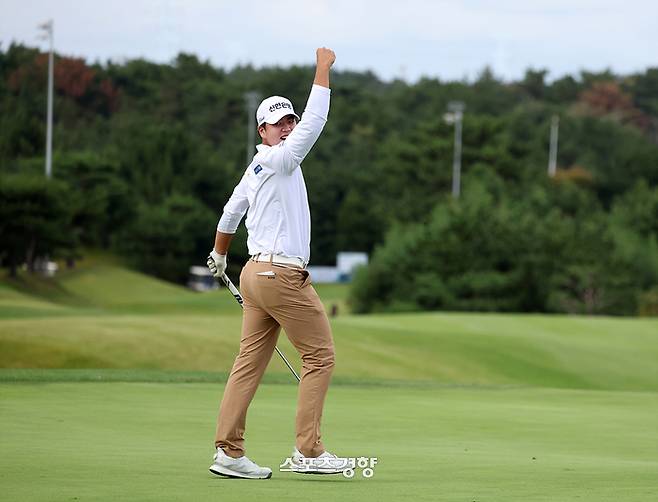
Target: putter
238	297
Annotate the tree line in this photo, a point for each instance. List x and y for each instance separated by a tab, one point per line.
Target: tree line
146	154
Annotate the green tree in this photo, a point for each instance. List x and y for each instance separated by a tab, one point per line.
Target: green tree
533	83
104	202
166	239
35	220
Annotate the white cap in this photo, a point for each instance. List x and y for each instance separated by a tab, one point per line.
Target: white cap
273	109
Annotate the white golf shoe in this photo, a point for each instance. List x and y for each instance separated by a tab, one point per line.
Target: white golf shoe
326	463
240	467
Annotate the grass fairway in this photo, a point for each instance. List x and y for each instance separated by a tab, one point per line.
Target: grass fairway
110	382
547	351
145	441
104	316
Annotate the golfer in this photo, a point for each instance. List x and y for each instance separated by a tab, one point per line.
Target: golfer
275	284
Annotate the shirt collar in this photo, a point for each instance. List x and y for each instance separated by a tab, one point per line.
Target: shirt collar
262	148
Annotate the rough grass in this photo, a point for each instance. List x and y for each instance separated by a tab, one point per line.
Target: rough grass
104	316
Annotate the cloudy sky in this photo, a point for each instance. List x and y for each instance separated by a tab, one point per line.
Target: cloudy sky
404	39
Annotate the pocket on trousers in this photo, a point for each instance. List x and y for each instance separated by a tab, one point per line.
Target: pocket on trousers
293	277
307	278
302	278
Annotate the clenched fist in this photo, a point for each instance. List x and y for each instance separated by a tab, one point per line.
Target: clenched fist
325	57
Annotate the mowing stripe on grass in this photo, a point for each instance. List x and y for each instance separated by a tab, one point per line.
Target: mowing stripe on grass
145	441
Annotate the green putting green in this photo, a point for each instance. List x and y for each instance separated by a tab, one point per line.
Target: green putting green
110	382
153	441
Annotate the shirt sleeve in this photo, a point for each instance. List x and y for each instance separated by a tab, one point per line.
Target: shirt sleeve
234	209
289	154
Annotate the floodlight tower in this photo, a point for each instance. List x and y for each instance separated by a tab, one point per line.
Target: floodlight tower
454	116
48	28
552	152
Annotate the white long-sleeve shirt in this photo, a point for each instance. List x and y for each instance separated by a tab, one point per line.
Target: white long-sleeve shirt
272	190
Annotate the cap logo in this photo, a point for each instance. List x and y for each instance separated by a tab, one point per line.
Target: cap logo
278	106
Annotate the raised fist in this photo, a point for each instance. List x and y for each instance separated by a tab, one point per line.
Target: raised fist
325	57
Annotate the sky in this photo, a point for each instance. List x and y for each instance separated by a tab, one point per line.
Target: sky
407	39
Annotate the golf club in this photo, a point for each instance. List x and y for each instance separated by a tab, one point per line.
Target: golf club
234	291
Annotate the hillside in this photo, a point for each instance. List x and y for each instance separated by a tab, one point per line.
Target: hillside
103	316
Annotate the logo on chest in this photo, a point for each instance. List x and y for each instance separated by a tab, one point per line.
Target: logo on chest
257	169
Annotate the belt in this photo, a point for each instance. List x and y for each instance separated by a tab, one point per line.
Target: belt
279	260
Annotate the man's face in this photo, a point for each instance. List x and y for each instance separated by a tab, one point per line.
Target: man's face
273	134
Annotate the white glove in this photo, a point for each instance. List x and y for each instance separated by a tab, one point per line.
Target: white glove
216	263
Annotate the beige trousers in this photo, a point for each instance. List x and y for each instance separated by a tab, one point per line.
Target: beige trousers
272	301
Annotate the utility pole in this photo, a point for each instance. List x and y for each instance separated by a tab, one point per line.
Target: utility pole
251	99
552	152
48	28
454	116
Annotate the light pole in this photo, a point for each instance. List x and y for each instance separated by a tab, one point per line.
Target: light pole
48	28
251	99
454	116
552	149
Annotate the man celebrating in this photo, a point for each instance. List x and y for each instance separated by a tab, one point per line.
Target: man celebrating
275	284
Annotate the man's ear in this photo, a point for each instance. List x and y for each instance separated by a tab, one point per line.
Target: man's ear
261	131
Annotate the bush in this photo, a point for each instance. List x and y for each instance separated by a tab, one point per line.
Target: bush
166	239
548	250
35	220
